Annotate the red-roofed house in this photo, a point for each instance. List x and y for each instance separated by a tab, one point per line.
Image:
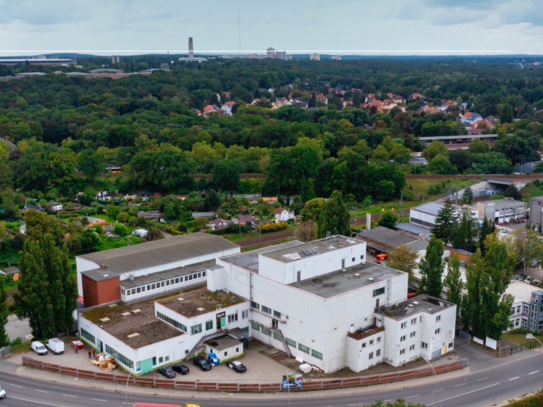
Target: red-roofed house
322	98
282	215
370	97
416	96
481	124
227	107
398	99
226	95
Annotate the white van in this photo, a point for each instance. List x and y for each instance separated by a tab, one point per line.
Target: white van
39	348
55	345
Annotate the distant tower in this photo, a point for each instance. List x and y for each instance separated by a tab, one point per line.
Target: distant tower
118	59
191	48
113	59
270	52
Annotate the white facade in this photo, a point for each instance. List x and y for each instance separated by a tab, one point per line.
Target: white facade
284	216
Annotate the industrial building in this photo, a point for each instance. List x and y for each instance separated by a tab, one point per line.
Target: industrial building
191	57
527	311
37	61
502	210
425	215
384	240
321	302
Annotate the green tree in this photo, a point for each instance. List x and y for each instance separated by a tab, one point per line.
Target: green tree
506	115
431	268
308	190
470	313
487	228
90	240
512	192
212	201
113	211
453	283
47	290
380	154
468	196
465	232
39	223
90	163
226	175
312	209
334	217
445	223
434	149
4	312
441	165
388	219
403	258
121	230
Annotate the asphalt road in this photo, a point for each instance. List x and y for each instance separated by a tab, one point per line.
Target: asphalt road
491	383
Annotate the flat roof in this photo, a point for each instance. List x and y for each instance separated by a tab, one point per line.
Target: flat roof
314	248
521	291
200	302
412	228
467	137
386	236
166	274
420	303
339	282
149	328
223	343
431	208
159	252
504	203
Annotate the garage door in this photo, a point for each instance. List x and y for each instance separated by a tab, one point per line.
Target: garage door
146	366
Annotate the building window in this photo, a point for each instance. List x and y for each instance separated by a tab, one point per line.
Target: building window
276	336
290	342
177	280
266	331
402	352
255	326
232	318
277	314
190	277
412	334
186	278
266	310
171	321
121	358
379	291
168	282
255	305
414	321
438	330
424	345
154	360
404	325
316	354
153	286
353	259
371	342
196	329
203	273
303	348
438	318
160	360
199	275
363	345
370	355
412	347
378	352
209	325
362	257
245	314
148	287
88	336
122	291
402	338
143	289
378	339
166	358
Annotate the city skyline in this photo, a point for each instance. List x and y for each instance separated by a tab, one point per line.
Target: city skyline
399	28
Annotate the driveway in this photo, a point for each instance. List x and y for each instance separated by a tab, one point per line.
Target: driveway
17	328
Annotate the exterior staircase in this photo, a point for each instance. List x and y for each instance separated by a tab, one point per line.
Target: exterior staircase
217	334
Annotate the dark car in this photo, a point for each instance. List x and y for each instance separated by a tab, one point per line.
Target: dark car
236	366
181	369
166	372
202	363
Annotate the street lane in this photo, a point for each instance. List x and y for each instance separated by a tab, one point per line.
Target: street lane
482	388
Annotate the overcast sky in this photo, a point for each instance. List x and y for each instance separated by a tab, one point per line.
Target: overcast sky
338	26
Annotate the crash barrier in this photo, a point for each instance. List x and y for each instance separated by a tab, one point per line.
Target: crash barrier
252	387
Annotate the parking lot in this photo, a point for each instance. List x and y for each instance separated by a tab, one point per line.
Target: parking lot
260	368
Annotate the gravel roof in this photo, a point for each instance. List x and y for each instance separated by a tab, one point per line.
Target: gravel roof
201	302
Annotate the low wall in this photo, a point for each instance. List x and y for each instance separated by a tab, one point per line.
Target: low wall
247	387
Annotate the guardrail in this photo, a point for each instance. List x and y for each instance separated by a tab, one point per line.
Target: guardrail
252	387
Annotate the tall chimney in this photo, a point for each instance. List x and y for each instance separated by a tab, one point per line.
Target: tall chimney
191	48
368	221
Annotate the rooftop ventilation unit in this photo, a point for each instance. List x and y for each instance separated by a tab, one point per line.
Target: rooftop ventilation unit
133	335
180	299
124	314
371	278
103	266
136	311
104	319
415	302
200	309
291	256
357	275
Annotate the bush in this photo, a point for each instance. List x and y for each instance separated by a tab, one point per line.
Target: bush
274	227
533	401
182	228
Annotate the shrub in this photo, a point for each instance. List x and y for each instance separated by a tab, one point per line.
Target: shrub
274	227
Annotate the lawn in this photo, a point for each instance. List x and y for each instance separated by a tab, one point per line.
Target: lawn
520	339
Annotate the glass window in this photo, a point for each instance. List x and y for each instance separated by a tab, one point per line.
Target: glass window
266	310
277	314
378	352
143	289
438	330
149	287
168	282
371	355
255	305
209	325
303	348
139	290
290	342
404	325
160	360
121	358
154	360
196	329
371	342
276	336
186	278
379	291
255	326
245	314
177	280
88	336
438	318
199	275
190	277
203	273
232	318
316	354
402	338
266	331
402	352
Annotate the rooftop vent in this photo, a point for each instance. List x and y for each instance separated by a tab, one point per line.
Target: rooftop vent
371	278
133	335
104	319
135	311
356	274
103	266
343	270
180	299
291	256
415	302
200	309
411	305
124	314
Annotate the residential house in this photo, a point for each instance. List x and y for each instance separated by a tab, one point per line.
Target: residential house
484	124
37	208
243	220
53	206
283	215
107	196
218	223
370	98
253	198
155	216
415	96
12	271
196	215
270	199
144	195
227	107
492	120
321	98
96	221
398	99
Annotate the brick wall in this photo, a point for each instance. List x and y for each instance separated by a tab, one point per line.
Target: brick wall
100	292
253	387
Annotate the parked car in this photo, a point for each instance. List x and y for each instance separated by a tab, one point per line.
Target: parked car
202	363
213	359
39	348
182	369
236	366
166	372
528	280
2	393
55	345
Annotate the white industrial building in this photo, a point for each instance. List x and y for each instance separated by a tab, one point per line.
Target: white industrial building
319	301
425	215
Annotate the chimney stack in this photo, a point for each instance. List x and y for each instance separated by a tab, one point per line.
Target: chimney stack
191	48
368	221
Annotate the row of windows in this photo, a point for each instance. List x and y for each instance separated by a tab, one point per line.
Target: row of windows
304	348
172	322
154	286
414	322
121	358
372	341
88	336
421	222
377	354
266	310
411	335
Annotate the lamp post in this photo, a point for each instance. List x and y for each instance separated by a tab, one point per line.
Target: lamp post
437	387
531	336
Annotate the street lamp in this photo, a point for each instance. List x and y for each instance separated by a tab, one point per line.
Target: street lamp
437	387
531	336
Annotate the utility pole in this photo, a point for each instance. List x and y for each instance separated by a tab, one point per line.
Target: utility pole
401	198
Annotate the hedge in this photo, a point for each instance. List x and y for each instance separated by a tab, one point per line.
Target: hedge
274	227
533	401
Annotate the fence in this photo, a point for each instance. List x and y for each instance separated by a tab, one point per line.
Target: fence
6	351
509	350
464	336
253	387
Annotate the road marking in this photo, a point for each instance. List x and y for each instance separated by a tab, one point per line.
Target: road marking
463	384
37	402
105	401
68	395
514	378
537	371
14	385
437	391
410	397
359	404
41	391
483	378
464	394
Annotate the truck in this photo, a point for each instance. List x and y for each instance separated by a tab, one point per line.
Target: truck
55	345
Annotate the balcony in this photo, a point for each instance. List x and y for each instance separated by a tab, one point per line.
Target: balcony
362	333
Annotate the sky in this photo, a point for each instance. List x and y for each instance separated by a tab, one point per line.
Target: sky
394	27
